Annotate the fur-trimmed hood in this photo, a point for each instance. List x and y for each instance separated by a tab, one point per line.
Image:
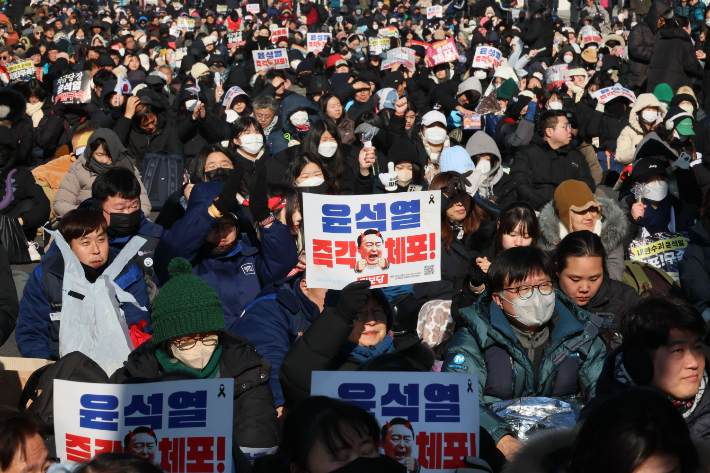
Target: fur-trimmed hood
644	101
614	225
12	106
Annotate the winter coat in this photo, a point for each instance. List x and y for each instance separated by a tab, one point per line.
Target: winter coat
27	195
18	122
538	169
673	60
57	127
584	109
694	13
346	127
613	297
694	267
12	37
274	321
75	187
685	215
37	331
237	276
319	349
36	111
346	180
488	347
642	39
140	143
275	171
290	105
254	421
590	156
9	307
196	134
607	127
539	34
632	135
612	229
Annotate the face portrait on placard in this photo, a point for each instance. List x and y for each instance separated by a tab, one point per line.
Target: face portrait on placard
370	248
141	442
398	441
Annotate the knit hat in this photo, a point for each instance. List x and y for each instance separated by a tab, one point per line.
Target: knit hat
507	89
185	305
470	84
481	143
574	195
402	150
663	92
198	69
334	59
455	158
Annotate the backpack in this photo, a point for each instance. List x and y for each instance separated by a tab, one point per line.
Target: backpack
40	386
647	279
162	175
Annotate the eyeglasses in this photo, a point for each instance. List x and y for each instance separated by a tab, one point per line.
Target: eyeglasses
189	343
6	58
212	166
262	117
525	292
566	127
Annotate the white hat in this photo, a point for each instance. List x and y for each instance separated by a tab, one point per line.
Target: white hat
208	40
470	84
433	117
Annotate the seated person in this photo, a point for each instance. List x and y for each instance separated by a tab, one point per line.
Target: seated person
344	337
84	230
190	340
662	348
694	267
517	340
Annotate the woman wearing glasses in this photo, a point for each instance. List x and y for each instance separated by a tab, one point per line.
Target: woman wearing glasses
575	208
523	339
190	341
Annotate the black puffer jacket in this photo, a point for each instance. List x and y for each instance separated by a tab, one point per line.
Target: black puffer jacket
613	297
28	199
641	41
607	127
20	124
196	134
254	423
694	268
585	109
539	169
673	61
540	34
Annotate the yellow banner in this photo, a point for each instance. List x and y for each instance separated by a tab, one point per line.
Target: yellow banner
19	66
659	247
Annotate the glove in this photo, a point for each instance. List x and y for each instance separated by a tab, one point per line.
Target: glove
368	133
228	197
353	297
58	109
600	107
389	179
474	465
532	107
258	201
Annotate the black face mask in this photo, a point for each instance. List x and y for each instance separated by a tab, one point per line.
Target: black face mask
219	175
263	41
207	80
122	225
91	273
305	78
381	464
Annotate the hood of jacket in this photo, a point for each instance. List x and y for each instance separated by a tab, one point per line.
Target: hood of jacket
295	102
643	101
675	33
614	224
657	9
12	106
6	23
482	239
119	154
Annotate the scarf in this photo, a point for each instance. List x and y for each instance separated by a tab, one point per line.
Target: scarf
457	228
432	168
485	188
271	126
657	220
173	366
363	354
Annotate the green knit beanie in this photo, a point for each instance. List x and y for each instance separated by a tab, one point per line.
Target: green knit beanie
507	89
185	305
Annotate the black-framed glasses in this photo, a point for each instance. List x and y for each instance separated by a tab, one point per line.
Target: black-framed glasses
190	343
525	291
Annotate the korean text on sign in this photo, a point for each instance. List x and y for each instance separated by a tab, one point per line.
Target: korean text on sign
278	33
21	70
434	12
253	8
486	57
441	52
234	39
72	88
270	59
316	41
390	239
430	420
184	426
610	93
186	23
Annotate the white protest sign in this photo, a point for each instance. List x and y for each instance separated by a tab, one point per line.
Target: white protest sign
434	12
186	23
379	45
317	41
403	56
441	52
253	8
486	57
390	239
278	33
221	9
610	93
177	5
184	426
590	35
431	420
270	59
234	38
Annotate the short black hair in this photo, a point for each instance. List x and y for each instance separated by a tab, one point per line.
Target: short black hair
118	181
102	76
549	120
138	430
648	323
115	462
516	264
369	232
79	222
15	429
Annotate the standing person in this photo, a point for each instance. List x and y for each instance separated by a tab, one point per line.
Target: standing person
540	31
641	41
674	60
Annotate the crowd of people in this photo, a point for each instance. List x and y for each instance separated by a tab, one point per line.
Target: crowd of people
559	149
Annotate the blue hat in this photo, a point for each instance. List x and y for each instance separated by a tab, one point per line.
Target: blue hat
455	158
388	97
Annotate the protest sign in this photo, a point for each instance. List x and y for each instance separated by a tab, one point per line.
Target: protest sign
234	39
401	243
430	420
403	56
389	31
73	88
186	23
221	9
419	43
379	45
441	52
177	5
20	71
472	121
183	426
486	57
253	8
590	35
556	75
316	41
610	93
271	59
279	33
296	47
434	12
662	250
231	93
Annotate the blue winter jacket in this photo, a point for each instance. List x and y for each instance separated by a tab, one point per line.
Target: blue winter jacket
290	105
238	276
37	334
274	321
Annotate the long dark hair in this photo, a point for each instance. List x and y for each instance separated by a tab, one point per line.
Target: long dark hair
513	214
296	165
338	163
323	105
196	166
239	127
473	219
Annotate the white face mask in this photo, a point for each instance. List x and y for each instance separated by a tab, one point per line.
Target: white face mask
312	182
232	116
196	358
484	166
480	75
707	22
554	106
568	59
622	17
649	116
687	107
536	310
435	135
299	118
142	40
327	149
656	191
190	105
252	143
